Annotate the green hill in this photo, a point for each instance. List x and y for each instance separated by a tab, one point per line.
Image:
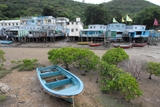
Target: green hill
13	9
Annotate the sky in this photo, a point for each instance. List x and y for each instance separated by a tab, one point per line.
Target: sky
101	1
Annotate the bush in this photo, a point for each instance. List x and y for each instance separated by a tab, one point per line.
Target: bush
4	72
115	55
2	98
114	79
87	60
2	59
83	58
25	64
66	56
153	68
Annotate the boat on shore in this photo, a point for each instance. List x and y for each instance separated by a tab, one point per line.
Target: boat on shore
95	44
5	42
124	46
138	44
59	82
84	43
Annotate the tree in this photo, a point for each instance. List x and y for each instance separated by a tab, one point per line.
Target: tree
116	80
134	65
117	15
115	55
97	14
147	16
153	68
87	60
65	55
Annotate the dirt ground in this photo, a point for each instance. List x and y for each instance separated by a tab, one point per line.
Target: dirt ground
26	91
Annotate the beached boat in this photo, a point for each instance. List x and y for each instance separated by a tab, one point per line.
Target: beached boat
59	82
124	46
138	44
5	42
95	44
84	43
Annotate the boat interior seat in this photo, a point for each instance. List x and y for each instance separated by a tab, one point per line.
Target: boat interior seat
59	83
44	75
55	78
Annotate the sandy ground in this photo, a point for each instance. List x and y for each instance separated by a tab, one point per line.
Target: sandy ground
26	91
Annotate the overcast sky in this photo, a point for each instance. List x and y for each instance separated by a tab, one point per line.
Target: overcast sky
101	1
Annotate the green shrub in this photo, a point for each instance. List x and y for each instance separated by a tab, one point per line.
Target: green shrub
2	59
87	60
66	56
2	98
116	80
153	68
83	58
4	72
25	64
115	55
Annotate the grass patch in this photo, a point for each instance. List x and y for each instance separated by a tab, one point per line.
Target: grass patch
3	98
4	72
26	64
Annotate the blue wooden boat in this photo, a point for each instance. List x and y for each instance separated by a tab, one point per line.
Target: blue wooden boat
5	42
59	82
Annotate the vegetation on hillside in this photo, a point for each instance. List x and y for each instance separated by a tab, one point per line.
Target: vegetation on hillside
89	13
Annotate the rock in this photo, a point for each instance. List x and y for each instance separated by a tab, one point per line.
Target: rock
13	96
4	88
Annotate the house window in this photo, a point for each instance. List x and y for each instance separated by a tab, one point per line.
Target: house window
76	23
72	23
49	20
76	29
91	27
32	21
72	30
135	27
16	23
48	27
100	26
42	27
94	26
13	24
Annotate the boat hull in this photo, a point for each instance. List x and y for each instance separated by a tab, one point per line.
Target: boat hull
138	44
5	42
84	43
59	82
95	44
126	46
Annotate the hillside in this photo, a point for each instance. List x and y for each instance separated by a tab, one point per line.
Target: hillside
13	9
128	6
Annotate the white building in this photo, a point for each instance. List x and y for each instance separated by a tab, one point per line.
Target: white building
97	27
10	23
116	26
74	28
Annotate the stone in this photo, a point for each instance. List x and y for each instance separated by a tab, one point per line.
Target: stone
4	88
